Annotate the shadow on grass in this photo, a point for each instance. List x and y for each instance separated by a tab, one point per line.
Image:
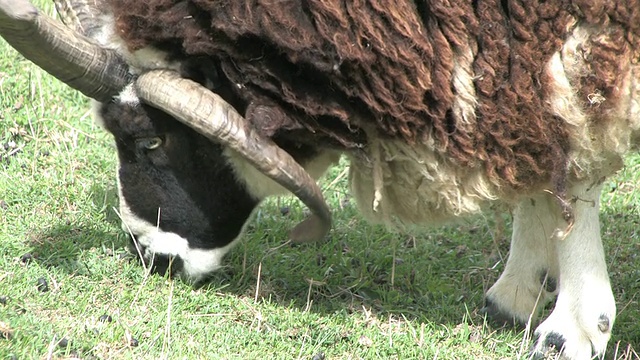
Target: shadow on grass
438	277
64	247
442	280
65	243
105	198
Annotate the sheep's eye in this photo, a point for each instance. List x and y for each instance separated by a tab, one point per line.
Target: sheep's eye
149	143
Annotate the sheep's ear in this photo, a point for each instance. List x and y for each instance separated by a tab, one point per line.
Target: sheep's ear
208	114
69	56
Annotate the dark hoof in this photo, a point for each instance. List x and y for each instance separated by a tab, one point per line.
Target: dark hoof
549	282
497	317
554	340
552	346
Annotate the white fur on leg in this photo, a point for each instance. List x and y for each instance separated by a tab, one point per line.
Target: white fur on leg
585	310
519	293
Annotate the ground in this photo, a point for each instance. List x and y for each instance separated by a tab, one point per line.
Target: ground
364	293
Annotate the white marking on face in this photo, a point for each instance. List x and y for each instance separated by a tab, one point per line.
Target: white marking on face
197	263
128	96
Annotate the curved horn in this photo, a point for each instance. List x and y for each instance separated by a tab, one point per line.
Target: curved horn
101	74
81	15
210	115
72	58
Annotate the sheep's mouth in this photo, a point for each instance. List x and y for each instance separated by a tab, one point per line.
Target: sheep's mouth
170	255
161	264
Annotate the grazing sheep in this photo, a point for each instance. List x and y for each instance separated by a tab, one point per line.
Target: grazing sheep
442	109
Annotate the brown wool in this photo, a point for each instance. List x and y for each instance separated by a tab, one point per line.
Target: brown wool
335	68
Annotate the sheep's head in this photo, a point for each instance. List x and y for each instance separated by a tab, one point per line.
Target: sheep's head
181	196
184	199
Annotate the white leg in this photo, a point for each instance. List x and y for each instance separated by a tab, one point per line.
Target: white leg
529	280
580	325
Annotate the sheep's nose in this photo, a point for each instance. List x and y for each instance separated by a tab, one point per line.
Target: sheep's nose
162	264
158	263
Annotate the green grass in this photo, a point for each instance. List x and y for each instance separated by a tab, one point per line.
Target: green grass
365	293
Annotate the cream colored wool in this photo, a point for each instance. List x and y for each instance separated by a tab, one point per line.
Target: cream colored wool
415	186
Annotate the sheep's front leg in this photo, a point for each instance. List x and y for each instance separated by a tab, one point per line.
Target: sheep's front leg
580	325
529	280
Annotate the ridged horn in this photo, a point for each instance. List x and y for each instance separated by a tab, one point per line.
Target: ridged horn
72	58
82	16
208	114
101	74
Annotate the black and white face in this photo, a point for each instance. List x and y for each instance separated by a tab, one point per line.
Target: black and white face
180	198
184	199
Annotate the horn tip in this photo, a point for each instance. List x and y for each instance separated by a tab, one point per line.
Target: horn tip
312	229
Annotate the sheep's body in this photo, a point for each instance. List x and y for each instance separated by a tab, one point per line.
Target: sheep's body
419	185
441	107
457	104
